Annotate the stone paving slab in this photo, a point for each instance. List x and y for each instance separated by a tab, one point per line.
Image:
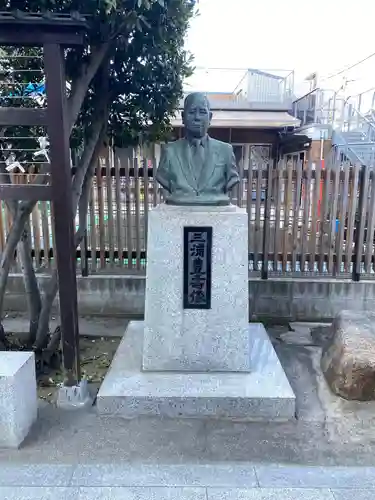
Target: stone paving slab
149	440
270	494
280	476
170	493
348	494
213	481
142	494
35	475
38	493
231	476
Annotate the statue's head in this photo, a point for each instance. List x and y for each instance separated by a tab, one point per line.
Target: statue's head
197	115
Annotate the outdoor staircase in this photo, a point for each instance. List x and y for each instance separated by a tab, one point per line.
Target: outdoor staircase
355	145
354	135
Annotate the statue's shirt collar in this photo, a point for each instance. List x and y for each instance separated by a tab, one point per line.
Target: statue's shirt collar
203	141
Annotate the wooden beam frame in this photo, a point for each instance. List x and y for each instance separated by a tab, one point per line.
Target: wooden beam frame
52	33
63	211
32	37
10	116
37	192
39	28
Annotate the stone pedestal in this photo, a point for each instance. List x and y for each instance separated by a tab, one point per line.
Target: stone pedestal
18	397
193	340
207	363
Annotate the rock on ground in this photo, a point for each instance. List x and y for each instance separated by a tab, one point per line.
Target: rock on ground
348	358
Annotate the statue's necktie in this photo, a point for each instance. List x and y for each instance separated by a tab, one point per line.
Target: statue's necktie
198	158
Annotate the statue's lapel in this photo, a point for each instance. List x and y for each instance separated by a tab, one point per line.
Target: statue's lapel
185	163
209	164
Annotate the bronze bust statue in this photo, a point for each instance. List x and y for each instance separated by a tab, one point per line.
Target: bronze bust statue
197	170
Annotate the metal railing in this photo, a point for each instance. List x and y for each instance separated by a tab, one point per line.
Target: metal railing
328	107
253	86
354	120
319	106
266	86
363	102
353	133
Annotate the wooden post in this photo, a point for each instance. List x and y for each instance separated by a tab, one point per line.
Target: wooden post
58	132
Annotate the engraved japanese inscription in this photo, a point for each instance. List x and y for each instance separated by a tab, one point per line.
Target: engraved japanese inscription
197	267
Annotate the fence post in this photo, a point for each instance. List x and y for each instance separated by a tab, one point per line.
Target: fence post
360	221
267	211
84	260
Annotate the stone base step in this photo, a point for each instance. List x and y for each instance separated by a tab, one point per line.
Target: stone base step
263	394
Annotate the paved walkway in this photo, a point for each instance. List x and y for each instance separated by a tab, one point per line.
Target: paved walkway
185	482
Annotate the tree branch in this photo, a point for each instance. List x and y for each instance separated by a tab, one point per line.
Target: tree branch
34	302
81	84
7	255
24	248
85	161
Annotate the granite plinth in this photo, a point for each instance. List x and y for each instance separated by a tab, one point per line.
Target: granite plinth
194	340
262	394
18	397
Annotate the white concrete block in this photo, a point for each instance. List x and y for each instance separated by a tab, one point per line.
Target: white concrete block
18	397
196	340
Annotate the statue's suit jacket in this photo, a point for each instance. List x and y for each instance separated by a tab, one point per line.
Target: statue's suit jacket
218	175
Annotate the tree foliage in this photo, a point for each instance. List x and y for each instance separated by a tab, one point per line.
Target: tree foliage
123	84
144	43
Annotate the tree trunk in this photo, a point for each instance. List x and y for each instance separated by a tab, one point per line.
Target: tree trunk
34	302
43	324
3	340
51	291
80	198
12	240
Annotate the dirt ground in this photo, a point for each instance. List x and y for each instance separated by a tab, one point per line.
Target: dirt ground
99	340
96	357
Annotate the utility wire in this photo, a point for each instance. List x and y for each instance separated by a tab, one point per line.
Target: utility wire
348	68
